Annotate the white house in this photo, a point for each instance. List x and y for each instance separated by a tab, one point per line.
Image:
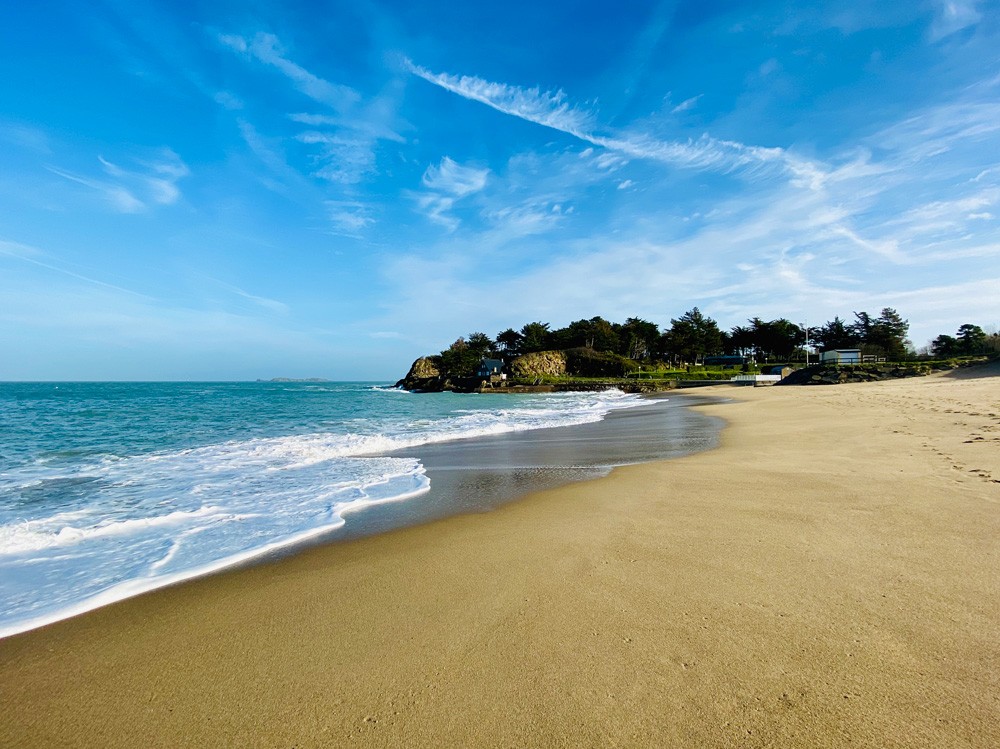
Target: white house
841	356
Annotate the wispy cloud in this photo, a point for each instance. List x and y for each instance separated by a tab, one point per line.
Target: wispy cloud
534	105
118	197
25	136
343	140
552	110
228	100
445	184
271	305
267	49
18	249
349	217
952	16
686	104
270	153
150	182
453	178
42	259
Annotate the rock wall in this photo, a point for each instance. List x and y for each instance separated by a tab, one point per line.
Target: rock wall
829	374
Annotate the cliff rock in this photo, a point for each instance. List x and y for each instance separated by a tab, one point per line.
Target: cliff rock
422	368
424	374
539	364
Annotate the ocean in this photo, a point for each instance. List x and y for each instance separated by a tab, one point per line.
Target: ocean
108	490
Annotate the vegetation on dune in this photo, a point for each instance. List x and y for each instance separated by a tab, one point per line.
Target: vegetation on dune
599	348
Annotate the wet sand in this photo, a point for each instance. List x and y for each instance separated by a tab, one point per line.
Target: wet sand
829	576
481	474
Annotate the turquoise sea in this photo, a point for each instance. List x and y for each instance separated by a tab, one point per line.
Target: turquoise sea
111	489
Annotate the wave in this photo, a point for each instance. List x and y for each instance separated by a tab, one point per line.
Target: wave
92	529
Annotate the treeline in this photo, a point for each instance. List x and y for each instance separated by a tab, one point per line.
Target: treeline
693	336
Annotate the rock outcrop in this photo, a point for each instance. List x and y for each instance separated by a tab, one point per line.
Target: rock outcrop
539	364
424	374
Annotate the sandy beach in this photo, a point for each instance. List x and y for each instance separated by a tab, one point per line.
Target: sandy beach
828	576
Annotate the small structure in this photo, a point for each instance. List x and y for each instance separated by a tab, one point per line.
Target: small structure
841	356
755	379
489	368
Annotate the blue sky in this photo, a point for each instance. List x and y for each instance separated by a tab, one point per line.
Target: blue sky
233	190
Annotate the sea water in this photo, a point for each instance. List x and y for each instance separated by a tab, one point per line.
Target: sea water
108	490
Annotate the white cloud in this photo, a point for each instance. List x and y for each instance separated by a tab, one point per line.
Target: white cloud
453	178
954	15
118	197
552	110
349	217
437	209
343	157
541	107
625	184
24	136
271	305
42	259
270	152
228	100
134	190
344	142
267	49
530	217
18	250
686	104
445	184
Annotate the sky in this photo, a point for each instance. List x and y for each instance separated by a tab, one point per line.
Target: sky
241	190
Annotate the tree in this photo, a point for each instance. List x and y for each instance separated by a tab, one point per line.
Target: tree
692	335
459	360
534	337
595	333
775	339
509	340
836	334
945	346
741	341
637	338
861	328
481	345
784	337
884	335
971	339
604	337
888	333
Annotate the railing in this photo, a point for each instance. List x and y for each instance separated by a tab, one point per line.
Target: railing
755	378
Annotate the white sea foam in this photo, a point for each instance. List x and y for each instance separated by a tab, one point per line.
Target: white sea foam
84	532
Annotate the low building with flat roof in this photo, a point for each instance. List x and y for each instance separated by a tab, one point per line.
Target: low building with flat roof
841	356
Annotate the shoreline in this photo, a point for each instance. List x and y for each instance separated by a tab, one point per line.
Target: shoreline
467	475
826	576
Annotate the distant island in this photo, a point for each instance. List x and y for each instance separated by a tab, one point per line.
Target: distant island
293	379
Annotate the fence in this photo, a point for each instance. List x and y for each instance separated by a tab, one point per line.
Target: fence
756	378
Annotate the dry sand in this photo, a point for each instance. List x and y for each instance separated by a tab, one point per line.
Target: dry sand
830	576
